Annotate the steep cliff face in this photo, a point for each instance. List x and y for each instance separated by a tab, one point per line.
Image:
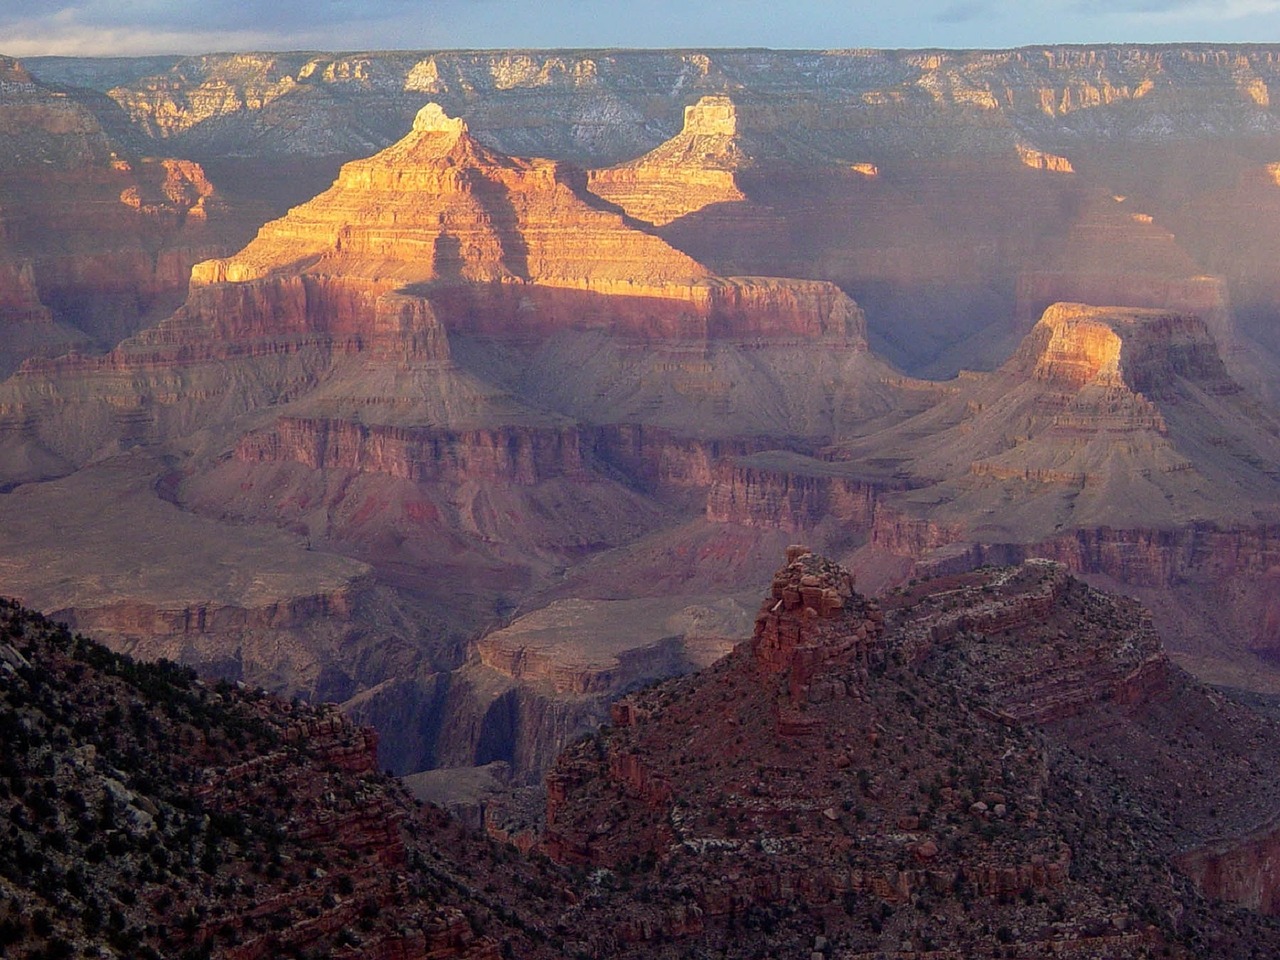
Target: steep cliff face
799	814
793	493
1240	870
29	325
421	454
1117	418
470	371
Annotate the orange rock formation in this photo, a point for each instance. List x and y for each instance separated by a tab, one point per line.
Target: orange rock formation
694	169
440	206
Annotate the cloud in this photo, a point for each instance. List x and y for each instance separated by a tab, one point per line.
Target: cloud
231	16
963	12
139	27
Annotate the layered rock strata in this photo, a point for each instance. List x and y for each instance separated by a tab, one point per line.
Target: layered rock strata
610	105
1097	405
693	170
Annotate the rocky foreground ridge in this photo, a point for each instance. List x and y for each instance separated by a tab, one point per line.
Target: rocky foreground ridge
1002	763
150	815
995	764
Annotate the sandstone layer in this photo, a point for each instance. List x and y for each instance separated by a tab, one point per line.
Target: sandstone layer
693	170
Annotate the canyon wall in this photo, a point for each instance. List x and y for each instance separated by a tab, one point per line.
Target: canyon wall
610	106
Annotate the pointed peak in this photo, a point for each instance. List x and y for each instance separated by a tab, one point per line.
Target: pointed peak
711	116
433	119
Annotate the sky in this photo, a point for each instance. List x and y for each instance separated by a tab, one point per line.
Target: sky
133	27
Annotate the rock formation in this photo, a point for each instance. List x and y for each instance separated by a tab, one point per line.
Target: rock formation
1108	426
878	766
94	243
953	222
693	170
494	392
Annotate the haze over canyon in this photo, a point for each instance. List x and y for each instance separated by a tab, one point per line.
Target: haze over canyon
471	391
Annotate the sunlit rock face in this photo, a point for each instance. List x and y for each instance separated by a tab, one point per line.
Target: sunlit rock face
695	169
964	219
476	369
440	206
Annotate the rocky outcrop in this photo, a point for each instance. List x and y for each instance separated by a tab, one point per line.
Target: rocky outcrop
474	716
588	647
812	616
1039	160
440	206
1115	657
1107	442
158	627
842	796
513	653
1118	255
968	139
105	552
541	681
1198	296
532	254
693	170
